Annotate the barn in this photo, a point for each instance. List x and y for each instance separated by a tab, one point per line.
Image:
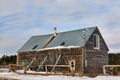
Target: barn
76	52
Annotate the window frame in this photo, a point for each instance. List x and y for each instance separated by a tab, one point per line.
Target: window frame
96	44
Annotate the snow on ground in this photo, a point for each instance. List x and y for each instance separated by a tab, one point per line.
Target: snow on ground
29	71
5	74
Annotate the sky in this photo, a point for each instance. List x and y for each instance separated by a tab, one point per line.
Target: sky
21	19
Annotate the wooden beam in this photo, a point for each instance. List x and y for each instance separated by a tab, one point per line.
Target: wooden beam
67	66
42	63
56	63
49	41
109	66
104	70
82	60
29	64
46	69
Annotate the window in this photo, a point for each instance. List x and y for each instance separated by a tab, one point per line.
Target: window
96	41
35	47
62	44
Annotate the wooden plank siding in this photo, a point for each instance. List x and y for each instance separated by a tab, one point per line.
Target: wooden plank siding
66	55
89	57
96	57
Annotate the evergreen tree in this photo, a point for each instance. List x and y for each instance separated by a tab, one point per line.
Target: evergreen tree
114	59
6	60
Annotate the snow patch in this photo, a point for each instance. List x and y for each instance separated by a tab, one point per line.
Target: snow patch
13	75
59	47
29	71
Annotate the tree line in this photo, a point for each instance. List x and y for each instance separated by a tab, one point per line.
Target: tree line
6	60
114	59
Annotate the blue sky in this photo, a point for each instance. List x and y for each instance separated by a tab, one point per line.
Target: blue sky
21	19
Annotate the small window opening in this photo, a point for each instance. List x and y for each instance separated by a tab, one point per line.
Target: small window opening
96	41
63	43
35	47
72	64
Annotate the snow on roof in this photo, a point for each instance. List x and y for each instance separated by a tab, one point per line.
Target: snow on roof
59	47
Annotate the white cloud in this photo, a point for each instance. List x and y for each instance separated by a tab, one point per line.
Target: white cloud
99	2
8	7
11	40
42	3
21	19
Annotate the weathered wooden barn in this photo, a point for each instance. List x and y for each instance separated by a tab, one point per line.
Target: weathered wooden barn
77	52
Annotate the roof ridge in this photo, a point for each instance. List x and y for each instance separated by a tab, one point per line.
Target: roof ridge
78	29
64	31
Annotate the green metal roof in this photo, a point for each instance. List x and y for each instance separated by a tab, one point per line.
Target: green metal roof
35	43
70	38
